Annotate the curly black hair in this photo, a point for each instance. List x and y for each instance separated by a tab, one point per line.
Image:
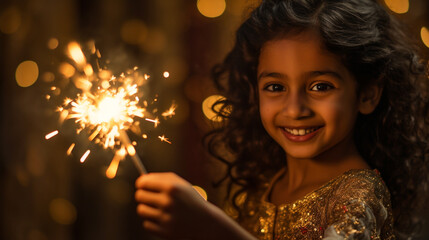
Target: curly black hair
376	49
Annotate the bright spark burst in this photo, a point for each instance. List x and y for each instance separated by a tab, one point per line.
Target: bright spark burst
106	107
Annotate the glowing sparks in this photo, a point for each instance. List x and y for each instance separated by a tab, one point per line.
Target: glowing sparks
84	156
104	112
164	139
113	167
155	121
70	149
107	106
131	150
50	135
170	112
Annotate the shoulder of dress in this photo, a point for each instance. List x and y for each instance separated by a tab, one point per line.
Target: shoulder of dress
360	183
360	204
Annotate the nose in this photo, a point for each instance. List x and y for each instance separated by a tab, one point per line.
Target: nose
296	105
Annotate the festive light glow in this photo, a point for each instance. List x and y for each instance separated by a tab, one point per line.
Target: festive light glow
424	33
53	43
211	8
106	106
207	107
398	6
48	77
66	69
201	191
26	73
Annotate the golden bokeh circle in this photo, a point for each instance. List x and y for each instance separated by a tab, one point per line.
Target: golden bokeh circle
211	8
398	6
424	33
207	107
26	73
201	191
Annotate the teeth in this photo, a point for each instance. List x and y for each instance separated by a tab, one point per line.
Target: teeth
300	132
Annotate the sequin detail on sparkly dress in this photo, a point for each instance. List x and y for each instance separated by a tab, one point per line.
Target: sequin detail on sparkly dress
355	205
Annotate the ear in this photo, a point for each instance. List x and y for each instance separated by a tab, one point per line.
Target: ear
369	98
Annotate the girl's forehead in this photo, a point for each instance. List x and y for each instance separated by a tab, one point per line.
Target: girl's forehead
302	50
308	39
298	57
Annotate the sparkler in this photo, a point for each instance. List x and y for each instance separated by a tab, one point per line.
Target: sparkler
106	107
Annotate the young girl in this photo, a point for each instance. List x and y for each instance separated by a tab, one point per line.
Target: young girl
322	95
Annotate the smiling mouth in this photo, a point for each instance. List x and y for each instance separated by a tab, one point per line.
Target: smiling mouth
301	131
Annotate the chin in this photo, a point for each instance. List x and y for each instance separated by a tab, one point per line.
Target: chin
301	155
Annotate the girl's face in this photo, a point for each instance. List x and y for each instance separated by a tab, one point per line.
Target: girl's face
307	98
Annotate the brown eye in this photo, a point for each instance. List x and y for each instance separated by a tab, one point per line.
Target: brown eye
321	87
274	88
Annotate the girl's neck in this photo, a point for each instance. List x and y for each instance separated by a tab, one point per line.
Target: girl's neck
313	173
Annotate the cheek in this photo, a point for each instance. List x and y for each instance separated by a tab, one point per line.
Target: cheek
267	112
341	113
264	112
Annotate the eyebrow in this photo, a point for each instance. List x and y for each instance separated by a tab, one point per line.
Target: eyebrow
271	74
311	74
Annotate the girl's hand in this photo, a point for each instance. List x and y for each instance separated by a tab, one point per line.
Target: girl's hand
170	206
173	209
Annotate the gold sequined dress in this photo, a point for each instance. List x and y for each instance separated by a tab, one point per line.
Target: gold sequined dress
355	205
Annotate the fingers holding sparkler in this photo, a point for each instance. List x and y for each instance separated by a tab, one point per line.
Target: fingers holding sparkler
166	203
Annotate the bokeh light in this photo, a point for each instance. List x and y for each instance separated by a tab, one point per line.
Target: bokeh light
178	69
134	32
48	77
398	6
62	211
53	43
10	20
201	191
424	33
166	74
66	69
207	107
27	73
211	8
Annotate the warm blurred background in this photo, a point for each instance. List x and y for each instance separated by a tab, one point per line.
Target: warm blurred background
45	194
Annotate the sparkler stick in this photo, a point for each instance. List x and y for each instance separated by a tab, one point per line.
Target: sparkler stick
132	152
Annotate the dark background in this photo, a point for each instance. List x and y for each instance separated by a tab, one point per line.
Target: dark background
45	194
